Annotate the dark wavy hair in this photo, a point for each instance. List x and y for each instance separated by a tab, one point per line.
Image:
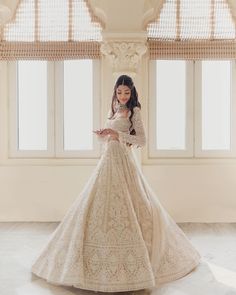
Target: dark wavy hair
131	103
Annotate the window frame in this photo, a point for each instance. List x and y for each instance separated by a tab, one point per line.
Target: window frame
199	152
59	90
54	116
193	121
152	151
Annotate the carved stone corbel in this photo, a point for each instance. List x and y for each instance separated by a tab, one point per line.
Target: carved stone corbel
124	56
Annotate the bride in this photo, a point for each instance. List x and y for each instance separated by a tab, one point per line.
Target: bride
117	236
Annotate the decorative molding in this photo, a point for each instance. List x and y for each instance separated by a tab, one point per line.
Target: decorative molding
5	14
151	12
232	6
8	10
97	7
124	56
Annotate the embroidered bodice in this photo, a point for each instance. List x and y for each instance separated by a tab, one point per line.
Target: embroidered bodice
122	124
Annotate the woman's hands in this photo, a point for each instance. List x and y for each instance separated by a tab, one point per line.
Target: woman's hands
107	131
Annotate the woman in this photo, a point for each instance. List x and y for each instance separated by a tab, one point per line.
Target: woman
117	236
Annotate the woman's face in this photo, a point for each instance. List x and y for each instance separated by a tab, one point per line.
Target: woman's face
123	94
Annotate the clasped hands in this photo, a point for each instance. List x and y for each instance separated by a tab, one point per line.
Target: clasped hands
107	131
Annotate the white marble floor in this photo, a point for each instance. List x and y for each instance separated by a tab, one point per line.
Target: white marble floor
216	275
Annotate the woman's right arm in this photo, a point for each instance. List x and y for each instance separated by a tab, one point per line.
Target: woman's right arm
104	138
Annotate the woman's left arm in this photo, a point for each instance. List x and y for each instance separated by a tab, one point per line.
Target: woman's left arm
138	139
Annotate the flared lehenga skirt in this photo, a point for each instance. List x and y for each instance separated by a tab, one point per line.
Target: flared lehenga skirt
116	236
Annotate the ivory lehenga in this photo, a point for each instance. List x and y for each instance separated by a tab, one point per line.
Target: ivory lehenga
116	236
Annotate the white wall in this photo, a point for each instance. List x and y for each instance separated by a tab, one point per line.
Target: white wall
44	190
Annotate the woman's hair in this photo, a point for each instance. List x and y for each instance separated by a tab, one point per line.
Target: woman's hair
131	103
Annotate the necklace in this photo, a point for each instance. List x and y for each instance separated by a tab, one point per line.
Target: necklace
122	107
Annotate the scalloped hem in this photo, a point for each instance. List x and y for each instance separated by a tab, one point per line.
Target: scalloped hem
181	274
133	287
99	288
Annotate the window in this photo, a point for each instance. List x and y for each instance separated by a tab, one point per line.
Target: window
170	105
215	115
78	103
32	105
171	95
216	105
192	112
53	108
